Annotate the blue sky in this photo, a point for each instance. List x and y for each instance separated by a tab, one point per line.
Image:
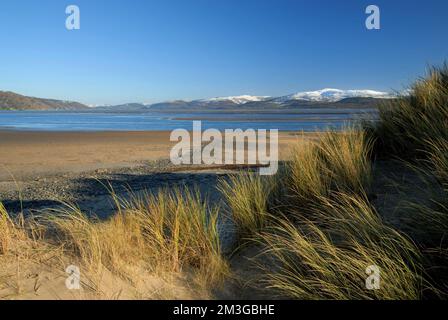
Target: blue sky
149	51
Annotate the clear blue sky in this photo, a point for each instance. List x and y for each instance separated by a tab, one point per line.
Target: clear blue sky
149	51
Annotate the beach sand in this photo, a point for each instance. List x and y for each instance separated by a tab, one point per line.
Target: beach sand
41	170
29	155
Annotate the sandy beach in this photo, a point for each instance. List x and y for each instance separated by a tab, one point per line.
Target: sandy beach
39	170
27	155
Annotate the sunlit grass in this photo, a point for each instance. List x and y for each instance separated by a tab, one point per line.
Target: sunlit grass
338	161
407	124
12	231
249	198
171	235
327	257
172	231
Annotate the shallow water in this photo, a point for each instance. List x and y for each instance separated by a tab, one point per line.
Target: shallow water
306	120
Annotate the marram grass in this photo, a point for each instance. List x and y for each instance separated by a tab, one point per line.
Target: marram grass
338	161
328	259
172	231
249	198
407	124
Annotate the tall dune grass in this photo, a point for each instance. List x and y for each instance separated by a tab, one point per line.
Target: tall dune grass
6	230
407	123
249	198
171	235
338	161
12	231
335	233
320	242
427	218
172	231
307	179
432	218
327	258
414	128
438	160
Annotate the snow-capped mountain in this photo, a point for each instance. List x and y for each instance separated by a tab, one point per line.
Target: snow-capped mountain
333	95
237	99
324	98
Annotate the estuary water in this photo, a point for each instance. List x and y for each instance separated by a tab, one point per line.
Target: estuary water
305	119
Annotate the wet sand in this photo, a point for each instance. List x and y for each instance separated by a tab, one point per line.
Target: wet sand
31	154
40	170
27	155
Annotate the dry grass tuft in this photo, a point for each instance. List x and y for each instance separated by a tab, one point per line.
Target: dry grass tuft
155	243
172	231
13	233
6	230
327	258
249	198
408	123
339	161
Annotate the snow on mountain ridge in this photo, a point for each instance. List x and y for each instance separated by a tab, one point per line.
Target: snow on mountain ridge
324	95
237	99
333	95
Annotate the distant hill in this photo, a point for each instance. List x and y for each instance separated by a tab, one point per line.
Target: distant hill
267	105
13	101
127	107
363	102
325	98
333	95
251	106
